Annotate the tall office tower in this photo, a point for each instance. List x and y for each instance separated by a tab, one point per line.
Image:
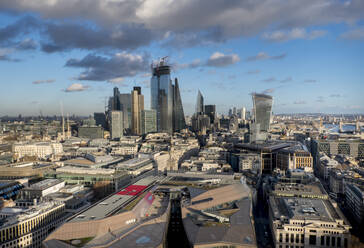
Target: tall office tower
116	124
148	121
166	99
234	111
210	110
243	113
199	103
262	110
125	106
100	119
114	102
137	105
178	117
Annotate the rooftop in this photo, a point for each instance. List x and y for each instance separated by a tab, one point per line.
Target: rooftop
45	184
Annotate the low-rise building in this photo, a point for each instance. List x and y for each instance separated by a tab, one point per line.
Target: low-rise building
302	222
41	150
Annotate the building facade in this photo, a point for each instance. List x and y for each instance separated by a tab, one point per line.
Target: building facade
31	226
166	99
148	121
116	124
137	105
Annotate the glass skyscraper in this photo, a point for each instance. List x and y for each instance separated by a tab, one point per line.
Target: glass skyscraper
166	99
199	103
179	122
262	111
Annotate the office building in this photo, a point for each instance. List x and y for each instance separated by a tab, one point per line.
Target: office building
301	222
166	99
137	105
199	103
38	191
125	102
178	117
100	119
354	200
29	227
262	114
148	121
210	111
243	113
91	132
41	150
162	96
116	130
262	111
114	101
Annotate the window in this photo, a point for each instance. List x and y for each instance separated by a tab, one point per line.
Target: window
302	238
338	242
322	240
287	238
280	237
312	240
292	237
333	239
327	241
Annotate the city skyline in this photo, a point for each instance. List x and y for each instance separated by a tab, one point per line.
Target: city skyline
51	53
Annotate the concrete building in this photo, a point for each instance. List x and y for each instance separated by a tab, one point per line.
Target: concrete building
290	158
353	148
29	227
302	222
36	192
91	132
42	150
354	200
137	106
148	121
116	124
100	119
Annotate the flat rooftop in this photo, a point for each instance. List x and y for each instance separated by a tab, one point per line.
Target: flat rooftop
103	208
45	184
303	208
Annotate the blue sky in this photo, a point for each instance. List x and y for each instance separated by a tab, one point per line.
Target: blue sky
307	54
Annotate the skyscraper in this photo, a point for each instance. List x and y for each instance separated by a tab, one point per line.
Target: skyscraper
262	107
178	117
243	113
166	99
100	119
137	105
116	129
148	121
210	110
125	103
199	103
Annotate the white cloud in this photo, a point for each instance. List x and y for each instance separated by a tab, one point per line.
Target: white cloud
76	87
354	34
218	59
293	34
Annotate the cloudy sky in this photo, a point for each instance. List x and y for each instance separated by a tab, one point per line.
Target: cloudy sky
308	54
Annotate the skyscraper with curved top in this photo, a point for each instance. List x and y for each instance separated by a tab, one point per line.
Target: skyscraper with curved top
199	103
262	107
166	99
